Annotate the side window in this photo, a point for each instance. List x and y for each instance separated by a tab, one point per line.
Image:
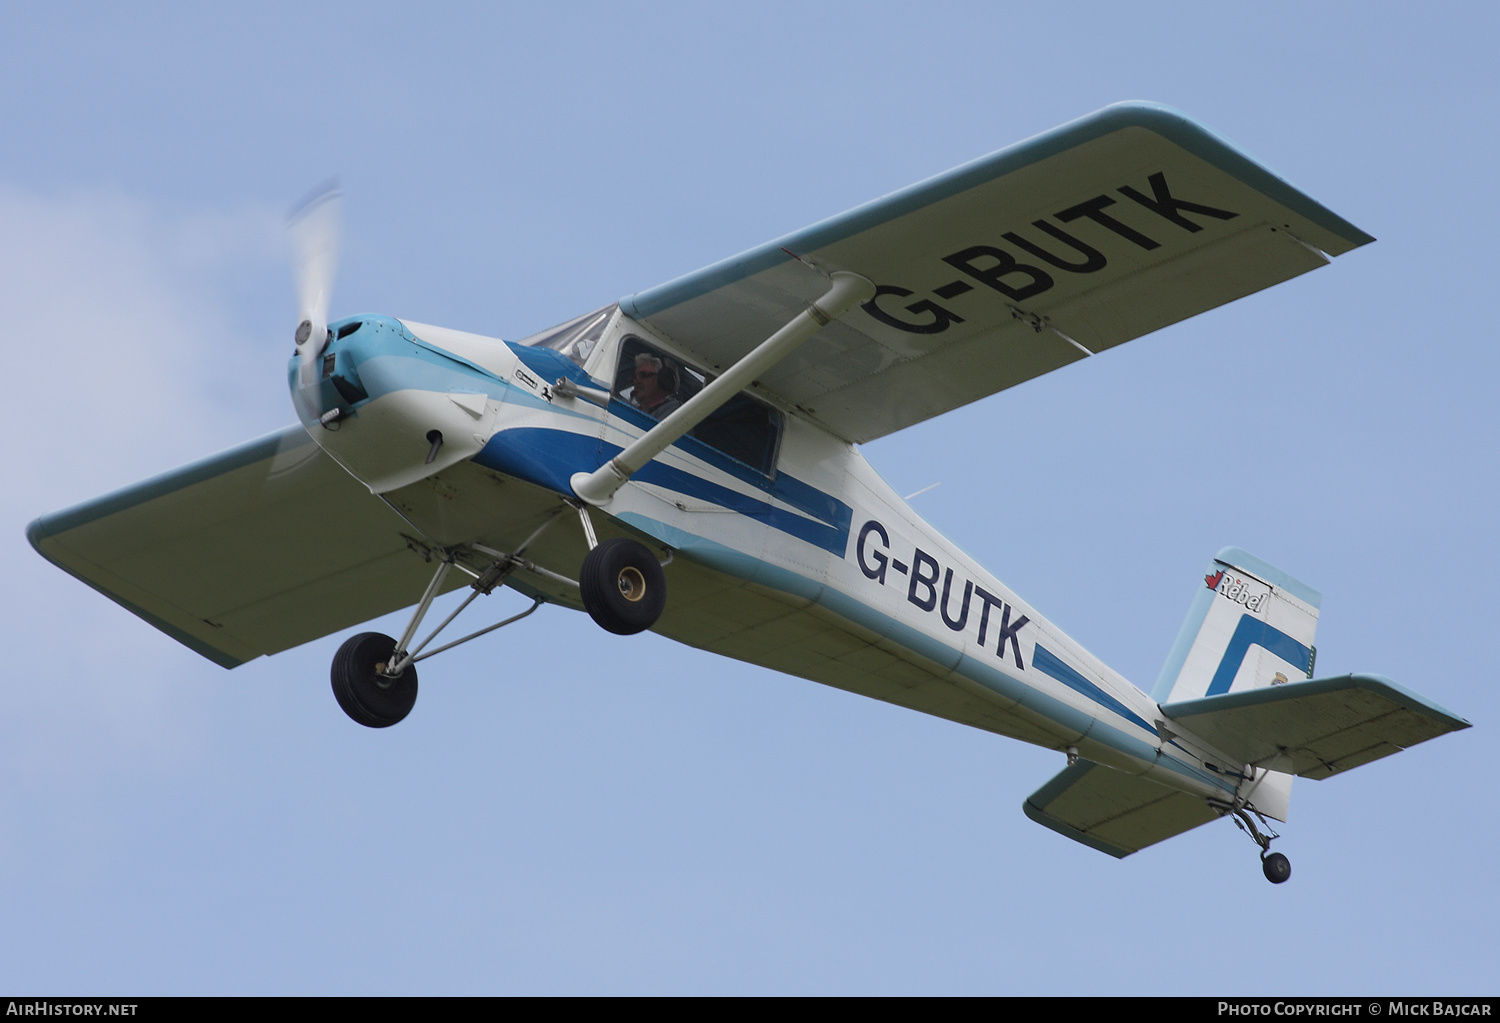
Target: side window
743	428
653	382
746	430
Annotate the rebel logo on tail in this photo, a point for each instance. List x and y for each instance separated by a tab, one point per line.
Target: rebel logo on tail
1238	591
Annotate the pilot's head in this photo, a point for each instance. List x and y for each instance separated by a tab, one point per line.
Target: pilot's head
654	380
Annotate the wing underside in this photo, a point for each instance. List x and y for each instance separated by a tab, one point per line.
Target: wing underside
1007	268
261	548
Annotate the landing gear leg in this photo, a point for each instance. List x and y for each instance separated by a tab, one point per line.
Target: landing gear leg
1275	866
375	677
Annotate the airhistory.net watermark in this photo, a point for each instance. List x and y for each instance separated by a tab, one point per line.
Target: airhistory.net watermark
42	1007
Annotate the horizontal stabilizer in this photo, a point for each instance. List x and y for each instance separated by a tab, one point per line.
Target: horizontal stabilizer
1114	812
1315	728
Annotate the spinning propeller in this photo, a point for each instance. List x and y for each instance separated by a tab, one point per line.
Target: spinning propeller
314	231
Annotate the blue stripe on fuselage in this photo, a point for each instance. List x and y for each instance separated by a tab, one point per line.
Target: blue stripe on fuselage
549	458
1048	663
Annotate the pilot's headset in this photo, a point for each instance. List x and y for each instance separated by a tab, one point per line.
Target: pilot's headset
666	377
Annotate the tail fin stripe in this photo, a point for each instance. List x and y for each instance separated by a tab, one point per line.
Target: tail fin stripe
1250	632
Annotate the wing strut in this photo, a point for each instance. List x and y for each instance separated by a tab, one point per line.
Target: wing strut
848	290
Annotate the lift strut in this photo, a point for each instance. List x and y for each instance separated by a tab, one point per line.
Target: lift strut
846	291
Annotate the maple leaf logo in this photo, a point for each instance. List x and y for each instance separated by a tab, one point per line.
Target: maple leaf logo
1214	580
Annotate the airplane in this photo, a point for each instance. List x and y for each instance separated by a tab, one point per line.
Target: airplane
686	460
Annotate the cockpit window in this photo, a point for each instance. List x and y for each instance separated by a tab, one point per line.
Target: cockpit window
653	382
576	338
744	428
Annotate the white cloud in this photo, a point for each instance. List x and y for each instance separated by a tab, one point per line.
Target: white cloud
117	323
125	356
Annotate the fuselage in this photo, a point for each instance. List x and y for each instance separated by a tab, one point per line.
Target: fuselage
782	508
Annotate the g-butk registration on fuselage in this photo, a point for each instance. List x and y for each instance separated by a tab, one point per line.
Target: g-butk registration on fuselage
685	460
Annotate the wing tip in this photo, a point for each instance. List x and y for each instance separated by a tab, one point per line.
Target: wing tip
1179	127
1039	815
1413	701
37	531
194	643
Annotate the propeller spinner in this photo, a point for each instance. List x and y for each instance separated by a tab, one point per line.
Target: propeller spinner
314	230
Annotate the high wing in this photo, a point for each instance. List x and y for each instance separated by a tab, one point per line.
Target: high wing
255	550
1316	728
1006	268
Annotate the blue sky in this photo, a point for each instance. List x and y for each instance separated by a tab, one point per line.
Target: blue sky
570	812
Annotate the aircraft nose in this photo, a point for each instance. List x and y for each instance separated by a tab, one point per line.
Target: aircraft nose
333	389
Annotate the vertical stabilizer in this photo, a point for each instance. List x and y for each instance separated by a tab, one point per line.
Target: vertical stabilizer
1250	625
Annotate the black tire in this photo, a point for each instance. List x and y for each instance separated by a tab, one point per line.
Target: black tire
623	587
367	696
1276	866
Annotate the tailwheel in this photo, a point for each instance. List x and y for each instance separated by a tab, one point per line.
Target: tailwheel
1277	867
361	686
623	587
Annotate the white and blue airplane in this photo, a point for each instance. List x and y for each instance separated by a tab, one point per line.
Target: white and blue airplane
686	460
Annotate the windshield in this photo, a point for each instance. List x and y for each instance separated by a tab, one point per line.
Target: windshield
576	338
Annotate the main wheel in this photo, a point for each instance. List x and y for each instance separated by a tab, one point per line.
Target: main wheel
622	586
1276	866
362	690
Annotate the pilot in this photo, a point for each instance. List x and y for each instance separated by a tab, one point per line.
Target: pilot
654	390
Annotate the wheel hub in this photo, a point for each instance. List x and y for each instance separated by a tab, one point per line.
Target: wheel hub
632	584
